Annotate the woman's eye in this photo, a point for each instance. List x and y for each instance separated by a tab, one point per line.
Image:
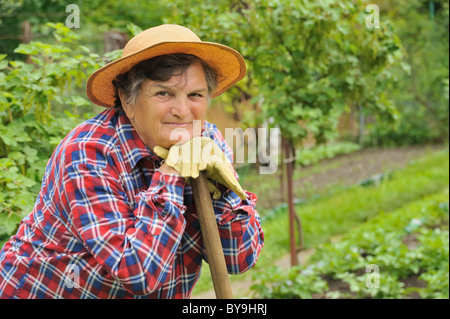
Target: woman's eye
195	95
162	93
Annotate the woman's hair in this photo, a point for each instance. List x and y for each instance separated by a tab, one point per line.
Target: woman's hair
160	68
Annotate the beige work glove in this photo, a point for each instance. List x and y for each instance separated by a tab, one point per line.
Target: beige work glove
202	154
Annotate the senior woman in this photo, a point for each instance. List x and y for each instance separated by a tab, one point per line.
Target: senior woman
115	217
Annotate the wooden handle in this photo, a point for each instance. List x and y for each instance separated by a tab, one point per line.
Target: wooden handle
211	238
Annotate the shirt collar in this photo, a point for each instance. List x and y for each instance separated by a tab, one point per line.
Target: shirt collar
133	148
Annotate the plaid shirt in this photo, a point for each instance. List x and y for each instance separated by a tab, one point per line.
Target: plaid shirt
108	223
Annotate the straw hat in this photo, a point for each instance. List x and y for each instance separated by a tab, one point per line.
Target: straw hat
160	40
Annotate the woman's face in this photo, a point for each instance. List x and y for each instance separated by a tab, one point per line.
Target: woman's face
170	112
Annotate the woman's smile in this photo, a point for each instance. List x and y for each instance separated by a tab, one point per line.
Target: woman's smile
178	124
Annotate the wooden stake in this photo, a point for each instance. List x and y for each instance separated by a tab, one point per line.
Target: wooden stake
290	196
26	36
211	238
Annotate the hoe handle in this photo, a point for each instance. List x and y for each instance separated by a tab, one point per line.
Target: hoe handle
211	238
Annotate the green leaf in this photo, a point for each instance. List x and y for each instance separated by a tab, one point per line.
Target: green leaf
134	29
3	64
29	49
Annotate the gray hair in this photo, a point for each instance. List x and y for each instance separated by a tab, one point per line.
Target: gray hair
160	68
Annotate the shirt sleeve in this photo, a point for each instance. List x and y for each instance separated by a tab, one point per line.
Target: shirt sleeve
240	230
135	245
238	221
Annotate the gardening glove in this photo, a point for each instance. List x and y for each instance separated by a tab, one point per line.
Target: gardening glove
202	154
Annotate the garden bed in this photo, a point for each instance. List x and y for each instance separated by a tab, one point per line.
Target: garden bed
403	254
328	217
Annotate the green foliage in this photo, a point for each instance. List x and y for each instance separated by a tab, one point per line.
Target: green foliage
15	197
410	242
412	129
309	156
309	71
30	88
342	209
421	95
277	283
34	102
98	15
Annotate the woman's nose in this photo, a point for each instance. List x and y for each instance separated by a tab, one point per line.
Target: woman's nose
181	107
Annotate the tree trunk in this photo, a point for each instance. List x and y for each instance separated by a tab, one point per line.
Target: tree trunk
114	40
362	125
293	218
26	36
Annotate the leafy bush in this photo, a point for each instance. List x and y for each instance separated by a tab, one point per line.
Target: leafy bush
421	96
34	117
413	128
296	282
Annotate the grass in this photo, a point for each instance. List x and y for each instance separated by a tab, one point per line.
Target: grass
345	208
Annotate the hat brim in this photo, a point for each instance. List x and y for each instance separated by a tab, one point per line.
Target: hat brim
227	62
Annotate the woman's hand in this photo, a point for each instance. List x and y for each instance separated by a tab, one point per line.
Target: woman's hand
166	169
201	154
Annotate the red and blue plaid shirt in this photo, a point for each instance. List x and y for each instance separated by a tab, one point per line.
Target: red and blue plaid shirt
108	223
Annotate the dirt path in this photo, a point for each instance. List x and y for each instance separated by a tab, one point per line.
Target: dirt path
344	170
